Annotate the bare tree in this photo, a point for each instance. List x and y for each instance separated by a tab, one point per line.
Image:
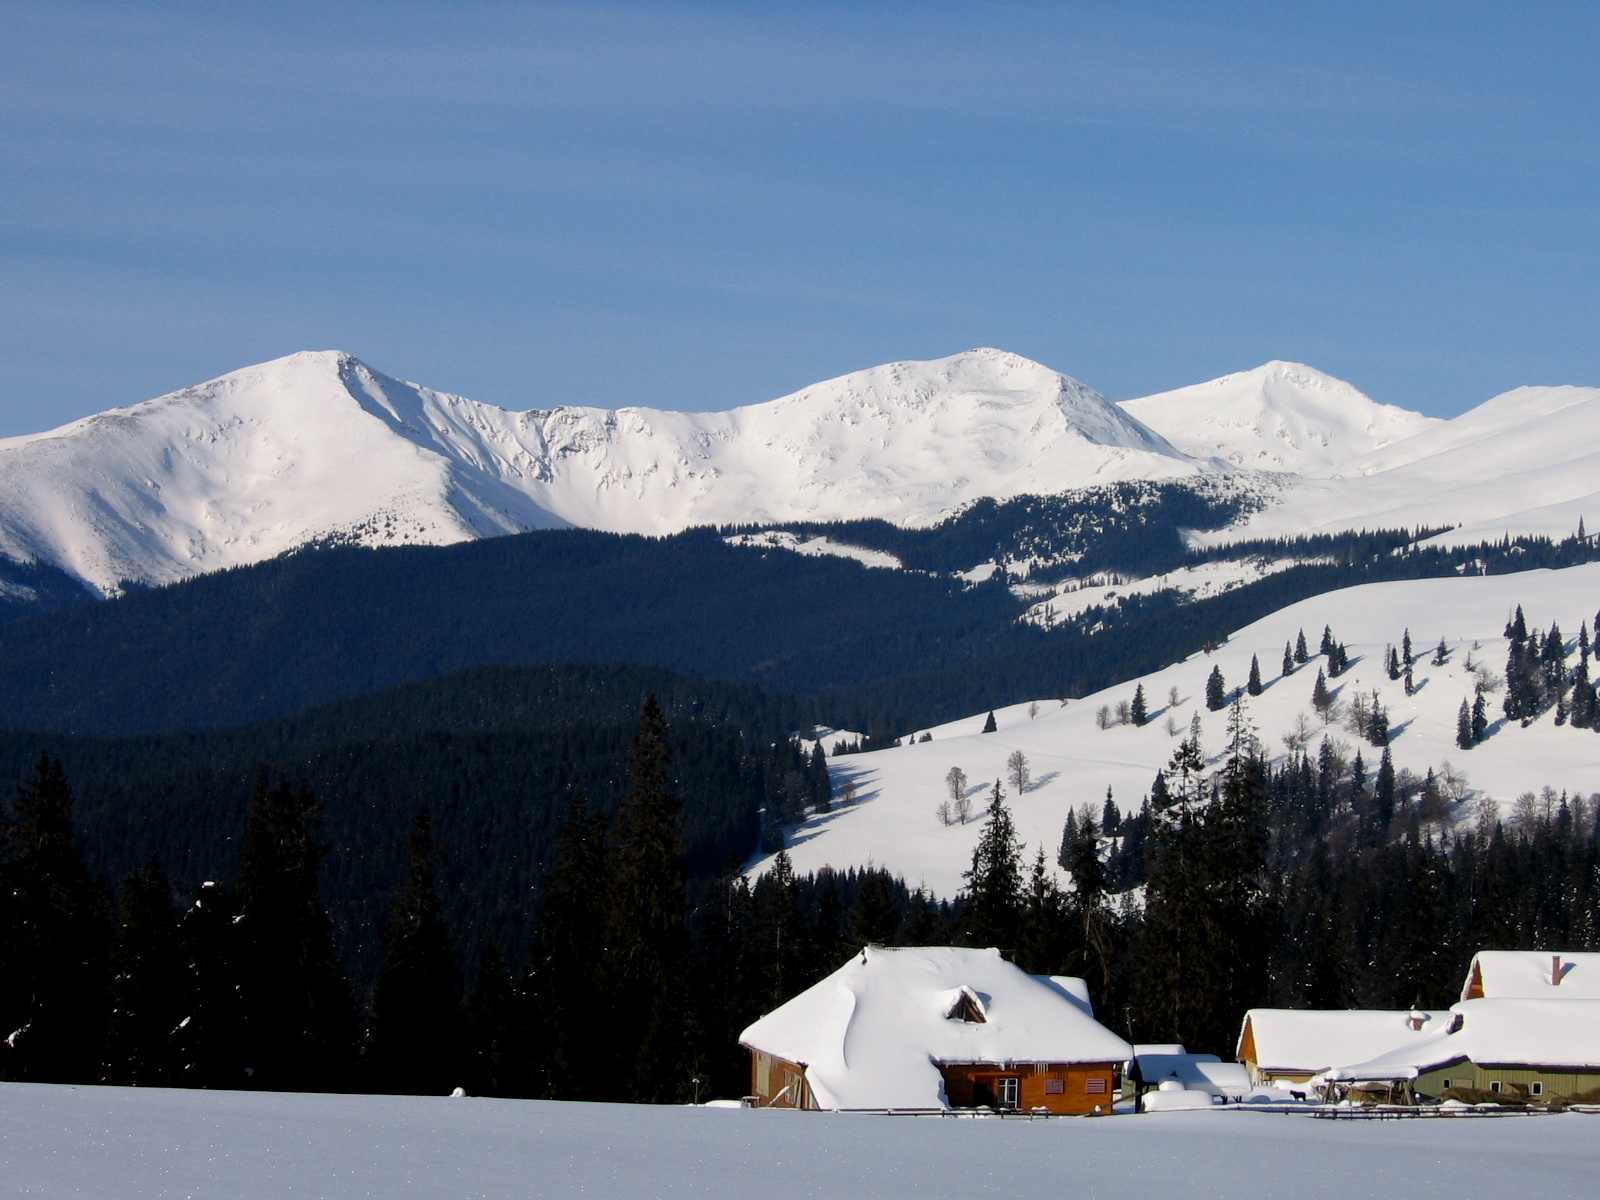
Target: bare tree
956	781
1124	712
1033	710
963	807
847	793
943	813
1172	697
1017	771
1102	716
1172	727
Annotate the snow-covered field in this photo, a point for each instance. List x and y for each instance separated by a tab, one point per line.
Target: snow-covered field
1073	761
143	1144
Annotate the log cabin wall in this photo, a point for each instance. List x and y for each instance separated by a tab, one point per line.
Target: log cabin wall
1056	1087
778	1083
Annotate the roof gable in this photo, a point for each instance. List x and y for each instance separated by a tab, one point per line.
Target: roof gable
1311	1039
1533	975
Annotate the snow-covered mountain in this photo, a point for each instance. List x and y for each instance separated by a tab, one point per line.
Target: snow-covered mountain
1281	416
1074	760
1525	462
319	446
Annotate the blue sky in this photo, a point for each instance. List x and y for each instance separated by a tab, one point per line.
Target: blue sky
704	205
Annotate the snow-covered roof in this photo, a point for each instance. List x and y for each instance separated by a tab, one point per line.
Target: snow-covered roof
1532	975
1313	1039
873	1034
1489	1032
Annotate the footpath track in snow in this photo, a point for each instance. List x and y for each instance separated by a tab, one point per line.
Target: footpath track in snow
145	1143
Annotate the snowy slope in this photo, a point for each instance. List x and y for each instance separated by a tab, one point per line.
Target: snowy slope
317	445
893	824
1526	462
1281	416
149	1143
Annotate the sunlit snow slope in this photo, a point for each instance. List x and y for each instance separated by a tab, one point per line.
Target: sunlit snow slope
1526	462
1073	761
318	446
1281	416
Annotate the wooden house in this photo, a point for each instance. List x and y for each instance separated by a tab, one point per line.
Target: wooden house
1281	1046
1536	1049
935	1027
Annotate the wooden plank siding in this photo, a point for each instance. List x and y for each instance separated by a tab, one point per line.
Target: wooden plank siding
778	1083
1083	1086
1557	1080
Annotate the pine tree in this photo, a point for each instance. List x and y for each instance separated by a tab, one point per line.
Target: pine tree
778	945
146	984
1383	796
299	1027
1042	945
1216	690
1137	711
1410	682
53	940
1301	654
1083	861
1253	685
1110	818
1480	719
1464	727
1321	699
1405	648
1378	722
1392	664
991	901
821	783
1287	669
1327	640
1441	654
646	930
416	1005
988	723
210	1044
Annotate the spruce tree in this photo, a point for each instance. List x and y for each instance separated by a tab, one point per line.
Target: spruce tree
147	984
1321	699
1405	648
1110	818
1327	640
1441	654
1287	668
1253	685
210	1045
1464	726
991	901
988	723
1301	654
1137	711
299	1027
1383	797
416	1006
778	944
646	929
1043	947
54	974
1392	663
564	976
1480	719
1216	690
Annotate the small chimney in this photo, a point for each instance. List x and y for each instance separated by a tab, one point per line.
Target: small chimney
1555	970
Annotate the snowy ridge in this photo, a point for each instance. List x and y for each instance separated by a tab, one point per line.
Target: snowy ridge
1281	416
1073	761
319	446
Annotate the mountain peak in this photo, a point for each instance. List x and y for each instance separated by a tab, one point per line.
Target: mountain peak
1280	416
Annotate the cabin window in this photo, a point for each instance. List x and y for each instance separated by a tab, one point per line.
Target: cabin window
966	1009
1095	1085
1005	1093
1536	1088
1494	1085
1055	1087
1445	1084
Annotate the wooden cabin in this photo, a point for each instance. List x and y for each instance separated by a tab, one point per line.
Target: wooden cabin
935	1028
1283	1046
1537	1049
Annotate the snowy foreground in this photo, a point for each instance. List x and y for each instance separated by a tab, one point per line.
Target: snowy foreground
135	1143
